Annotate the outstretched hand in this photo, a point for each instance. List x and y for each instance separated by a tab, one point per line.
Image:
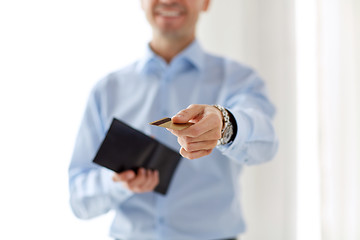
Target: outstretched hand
201	138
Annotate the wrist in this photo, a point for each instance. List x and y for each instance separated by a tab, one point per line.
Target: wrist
227	132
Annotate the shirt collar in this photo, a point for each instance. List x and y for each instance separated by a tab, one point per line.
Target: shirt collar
192	53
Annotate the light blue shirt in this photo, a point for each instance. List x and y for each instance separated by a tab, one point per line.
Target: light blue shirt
203	201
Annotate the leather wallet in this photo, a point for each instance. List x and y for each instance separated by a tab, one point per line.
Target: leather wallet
125	148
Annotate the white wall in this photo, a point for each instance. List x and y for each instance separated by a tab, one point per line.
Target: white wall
51	54
260	34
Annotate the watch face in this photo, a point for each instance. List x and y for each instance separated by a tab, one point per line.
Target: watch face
228	132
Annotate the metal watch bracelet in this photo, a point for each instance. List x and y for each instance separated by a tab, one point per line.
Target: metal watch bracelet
227	129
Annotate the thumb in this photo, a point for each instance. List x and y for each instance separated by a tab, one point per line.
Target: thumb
191	112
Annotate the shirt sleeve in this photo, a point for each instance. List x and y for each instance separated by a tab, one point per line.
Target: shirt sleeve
244	95
92	191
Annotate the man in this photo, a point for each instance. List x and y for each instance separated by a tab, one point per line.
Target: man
176	77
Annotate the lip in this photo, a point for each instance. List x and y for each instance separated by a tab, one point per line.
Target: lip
169	11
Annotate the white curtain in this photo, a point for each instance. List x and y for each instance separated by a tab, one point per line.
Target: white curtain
266	35
261	34
339	78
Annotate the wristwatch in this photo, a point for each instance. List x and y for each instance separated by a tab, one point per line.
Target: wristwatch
228	129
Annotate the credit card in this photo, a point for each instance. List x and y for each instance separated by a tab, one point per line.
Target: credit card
167	123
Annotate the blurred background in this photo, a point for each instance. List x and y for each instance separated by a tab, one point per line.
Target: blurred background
308	52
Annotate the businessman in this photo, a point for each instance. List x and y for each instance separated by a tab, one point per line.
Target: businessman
232	116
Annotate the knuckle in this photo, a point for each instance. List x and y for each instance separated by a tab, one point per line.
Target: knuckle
191	106
185	111
188	147
180	140
188	139
183	153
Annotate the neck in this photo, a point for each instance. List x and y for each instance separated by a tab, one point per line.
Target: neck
168	48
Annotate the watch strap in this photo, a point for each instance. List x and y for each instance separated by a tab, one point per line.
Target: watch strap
226	125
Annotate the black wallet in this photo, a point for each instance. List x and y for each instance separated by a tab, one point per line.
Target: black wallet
125	148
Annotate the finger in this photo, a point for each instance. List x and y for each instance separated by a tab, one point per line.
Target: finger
149	178
213	134
206	118
124	176
156	179
151	182
138	181
195	154
206	124
191	112
197	146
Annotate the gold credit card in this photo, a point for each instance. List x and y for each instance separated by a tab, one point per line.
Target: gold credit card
167	123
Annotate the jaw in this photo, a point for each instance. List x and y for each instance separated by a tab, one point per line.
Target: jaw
169	19
173	21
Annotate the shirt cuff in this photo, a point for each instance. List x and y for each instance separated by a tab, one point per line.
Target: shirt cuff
244	129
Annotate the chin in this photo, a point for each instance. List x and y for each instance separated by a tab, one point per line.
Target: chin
171	33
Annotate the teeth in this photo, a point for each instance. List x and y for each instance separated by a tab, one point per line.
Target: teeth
169	13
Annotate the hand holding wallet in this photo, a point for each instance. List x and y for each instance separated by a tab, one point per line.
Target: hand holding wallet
126	148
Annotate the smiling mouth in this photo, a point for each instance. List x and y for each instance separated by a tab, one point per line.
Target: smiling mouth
168	13
169	10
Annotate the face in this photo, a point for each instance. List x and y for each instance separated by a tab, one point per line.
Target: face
173	18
